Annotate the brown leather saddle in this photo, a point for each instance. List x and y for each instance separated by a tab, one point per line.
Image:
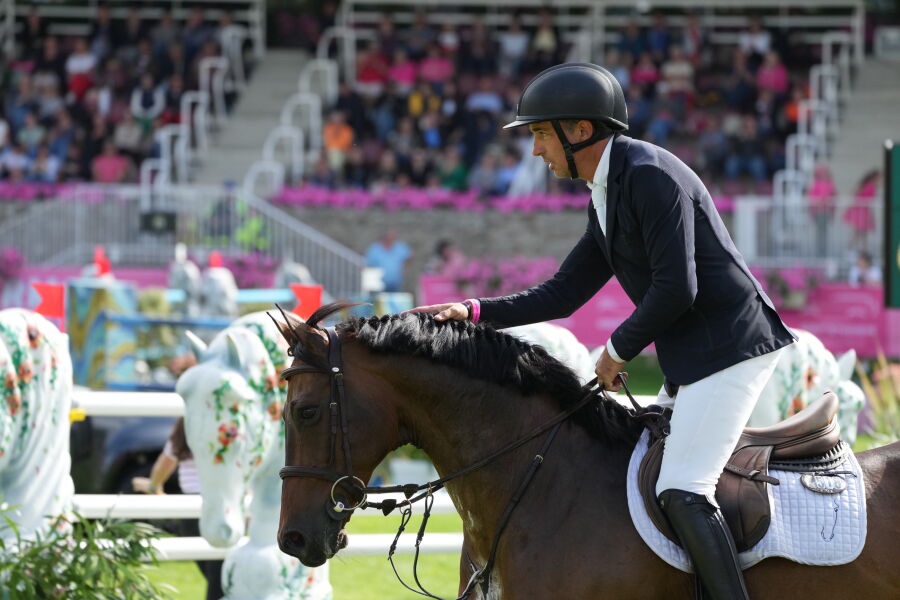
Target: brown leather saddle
809	438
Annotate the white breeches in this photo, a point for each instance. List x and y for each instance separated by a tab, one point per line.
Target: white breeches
707	420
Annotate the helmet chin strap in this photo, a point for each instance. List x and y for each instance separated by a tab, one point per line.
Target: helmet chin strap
570	149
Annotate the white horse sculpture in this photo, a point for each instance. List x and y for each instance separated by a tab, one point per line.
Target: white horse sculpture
233	426
805	371
561	344
36	394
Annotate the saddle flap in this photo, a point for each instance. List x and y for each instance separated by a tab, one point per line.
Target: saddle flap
744	502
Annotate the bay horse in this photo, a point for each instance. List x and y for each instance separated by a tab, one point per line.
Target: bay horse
460	391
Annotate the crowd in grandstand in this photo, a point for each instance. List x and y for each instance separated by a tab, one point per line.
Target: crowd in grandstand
428	102
85	107
424	110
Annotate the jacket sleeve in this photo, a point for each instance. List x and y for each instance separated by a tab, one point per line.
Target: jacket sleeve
665	213
583	272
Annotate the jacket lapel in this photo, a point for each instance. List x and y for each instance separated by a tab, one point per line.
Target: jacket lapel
613	189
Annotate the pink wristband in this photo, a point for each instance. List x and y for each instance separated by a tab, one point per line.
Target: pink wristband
476	309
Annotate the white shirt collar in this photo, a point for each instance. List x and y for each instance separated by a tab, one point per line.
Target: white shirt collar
602	172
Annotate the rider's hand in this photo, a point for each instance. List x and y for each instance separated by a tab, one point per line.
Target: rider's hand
607	371
442	312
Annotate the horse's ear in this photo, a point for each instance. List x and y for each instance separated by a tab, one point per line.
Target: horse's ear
287	328
846	364
198	346
235	360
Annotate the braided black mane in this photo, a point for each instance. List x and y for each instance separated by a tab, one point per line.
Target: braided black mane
485	353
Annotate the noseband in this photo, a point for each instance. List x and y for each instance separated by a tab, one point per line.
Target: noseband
337	510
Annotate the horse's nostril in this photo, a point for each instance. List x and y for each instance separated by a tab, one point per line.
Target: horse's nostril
293	539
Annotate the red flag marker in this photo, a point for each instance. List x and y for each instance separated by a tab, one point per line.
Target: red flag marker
309	298
53	300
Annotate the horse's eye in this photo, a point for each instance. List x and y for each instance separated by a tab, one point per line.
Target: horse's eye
309	412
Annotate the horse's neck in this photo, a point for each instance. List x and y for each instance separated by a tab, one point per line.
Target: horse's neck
457	431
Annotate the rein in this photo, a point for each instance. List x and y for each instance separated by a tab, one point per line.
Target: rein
339	511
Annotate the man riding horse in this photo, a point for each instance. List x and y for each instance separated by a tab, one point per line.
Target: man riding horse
653	225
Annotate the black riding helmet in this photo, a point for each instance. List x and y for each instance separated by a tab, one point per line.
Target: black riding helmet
574	91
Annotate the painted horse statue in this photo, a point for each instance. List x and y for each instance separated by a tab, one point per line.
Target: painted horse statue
536	465
805	370
36	393
561	344
233	425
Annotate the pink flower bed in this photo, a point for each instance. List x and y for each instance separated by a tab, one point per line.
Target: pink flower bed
427	199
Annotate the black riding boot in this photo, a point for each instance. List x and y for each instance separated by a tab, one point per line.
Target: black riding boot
705	537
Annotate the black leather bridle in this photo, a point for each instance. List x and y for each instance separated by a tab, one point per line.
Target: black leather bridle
338	511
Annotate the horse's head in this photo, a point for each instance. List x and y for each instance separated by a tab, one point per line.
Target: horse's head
229	396
339	424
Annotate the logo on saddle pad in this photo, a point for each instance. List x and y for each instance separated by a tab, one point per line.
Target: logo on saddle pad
805	454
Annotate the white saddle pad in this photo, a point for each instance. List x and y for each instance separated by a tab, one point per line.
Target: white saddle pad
807	527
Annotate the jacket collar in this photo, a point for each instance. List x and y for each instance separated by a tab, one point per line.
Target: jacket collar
613	187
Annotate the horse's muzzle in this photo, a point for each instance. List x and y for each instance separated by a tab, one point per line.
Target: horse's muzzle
306	549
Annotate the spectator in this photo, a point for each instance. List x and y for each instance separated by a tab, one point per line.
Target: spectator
436	69
388	40
422	100
485	98
419	37
45	167
430	130
713	146
173	62
111	166
337	138
513	43
418	168
371	72
391	256
356	171
546	44
74	166
22	102
447	259
32	134
353	107
477	51
747	154
695	42
677	80
50	68
659	39
80	69
15	162
50	104
164	35
34	32
632	42
147	101
129	138
821	197
859	215
739	85
322	175
177	455
402	72
645	73
453	172
864	272
194	35
62	135
772	75
102	36
173	94
448	39
617	65
483	178
755	42
129	35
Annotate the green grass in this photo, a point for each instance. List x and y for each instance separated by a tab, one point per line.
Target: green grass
354	577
